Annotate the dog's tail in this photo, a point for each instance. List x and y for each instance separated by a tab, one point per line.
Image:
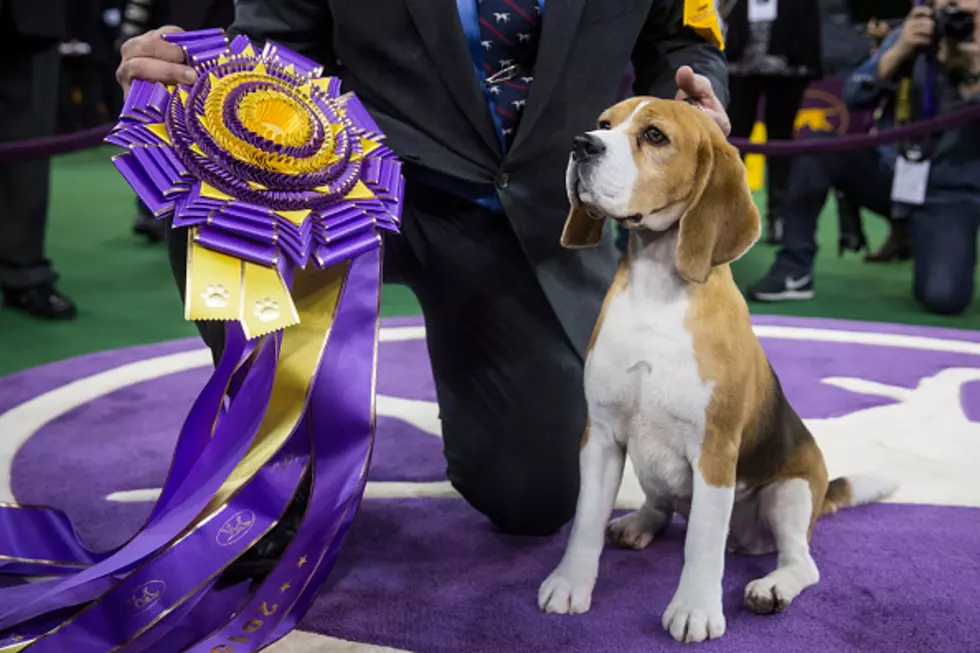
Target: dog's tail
849	491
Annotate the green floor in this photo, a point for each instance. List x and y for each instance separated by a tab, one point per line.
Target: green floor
126	295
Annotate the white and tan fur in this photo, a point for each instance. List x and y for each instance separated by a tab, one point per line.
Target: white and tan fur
676	378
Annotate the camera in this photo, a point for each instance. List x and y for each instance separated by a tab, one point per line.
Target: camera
954	24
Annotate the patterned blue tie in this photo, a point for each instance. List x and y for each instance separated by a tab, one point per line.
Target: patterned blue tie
510	31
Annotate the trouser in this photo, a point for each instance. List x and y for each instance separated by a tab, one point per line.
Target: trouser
28	109
80	94
943	231
783	98
508	380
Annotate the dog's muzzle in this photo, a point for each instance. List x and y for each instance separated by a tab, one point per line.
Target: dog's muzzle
587	147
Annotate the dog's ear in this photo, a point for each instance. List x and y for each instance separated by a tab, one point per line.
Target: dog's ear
722	222
581	229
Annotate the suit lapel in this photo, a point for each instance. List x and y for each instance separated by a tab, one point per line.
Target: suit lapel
561	18
438	24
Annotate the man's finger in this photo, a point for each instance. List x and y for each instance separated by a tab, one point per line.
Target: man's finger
696	87
920	10
154	70
152	46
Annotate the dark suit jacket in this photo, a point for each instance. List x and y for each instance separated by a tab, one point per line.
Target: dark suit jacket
409	63
35	19
200	14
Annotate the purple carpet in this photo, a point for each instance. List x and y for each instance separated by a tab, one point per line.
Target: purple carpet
432	576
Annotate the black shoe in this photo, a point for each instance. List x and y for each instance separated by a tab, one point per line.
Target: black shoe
43	301
897	247
779	286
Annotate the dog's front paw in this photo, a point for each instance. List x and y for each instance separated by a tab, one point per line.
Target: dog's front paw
694	617
566	591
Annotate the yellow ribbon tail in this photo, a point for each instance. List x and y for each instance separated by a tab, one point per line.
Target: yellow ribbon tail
221	287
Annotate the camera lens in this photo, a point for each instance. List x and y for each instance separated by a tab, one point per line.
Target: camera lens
955	24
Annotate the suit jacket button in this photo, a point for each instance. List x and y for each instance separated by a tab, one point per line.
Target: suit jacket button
503	180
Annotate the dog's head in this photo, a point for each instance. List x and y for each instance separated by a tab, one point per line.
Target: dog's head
652	164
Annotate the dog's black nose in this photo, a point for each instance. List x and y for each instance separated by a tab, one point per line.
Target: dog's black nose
586	147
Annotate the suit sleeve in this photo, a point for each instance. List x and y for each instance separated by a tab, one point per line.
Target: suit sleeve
304	26
665	44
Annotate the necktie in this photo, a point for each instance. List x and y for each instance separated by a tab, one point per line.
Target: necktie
509	31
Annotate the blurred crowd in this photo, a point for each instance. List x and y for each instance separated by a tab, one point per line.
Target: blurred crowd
58	75
897	62
89	94
918	61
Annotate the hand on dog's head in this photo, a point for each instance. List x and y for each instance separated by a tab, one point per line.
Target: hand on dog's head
653	164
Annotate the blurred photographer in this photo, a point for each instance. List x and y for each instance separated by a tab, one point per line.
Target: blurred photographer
928	66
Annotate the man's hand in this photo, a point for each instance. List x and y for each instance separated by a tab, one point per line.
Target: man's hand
698	89
150	58
877	30
917	31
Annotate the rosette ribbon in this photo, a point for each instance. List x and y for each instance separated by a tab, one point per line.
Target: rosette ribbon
285	185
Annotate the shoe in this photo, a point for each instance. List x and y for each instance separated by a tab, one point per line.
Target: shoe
897	246
778	287
43	301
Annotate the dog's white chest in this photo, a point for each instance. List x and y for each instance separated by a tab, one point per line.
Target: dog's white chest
643	386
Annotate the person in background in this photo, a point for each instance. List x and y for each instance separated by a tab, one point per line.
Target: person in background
83	56
774	52
851	236
940	201
140	16
896	246
30	31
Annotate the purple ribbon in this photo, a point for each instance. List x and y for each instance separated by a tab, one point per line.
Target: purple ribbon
340	420
336	431
218	458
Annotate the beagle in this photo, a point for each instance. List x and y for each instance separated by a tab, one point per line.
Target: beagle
676	377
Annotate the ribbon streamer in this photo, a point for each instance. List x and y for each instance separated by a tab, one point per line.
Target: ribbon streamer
286	186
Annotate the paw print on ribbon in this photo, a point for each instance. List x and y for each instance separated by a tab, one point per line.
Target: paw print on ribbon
266	309
216	296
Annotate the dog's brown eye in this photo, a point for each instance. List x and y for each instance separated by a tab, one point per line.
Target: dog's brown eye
655	136
605	124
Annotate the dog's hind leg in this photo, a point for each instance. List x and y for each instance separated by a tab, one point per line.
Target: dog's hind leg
568	590
787	508
637	529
